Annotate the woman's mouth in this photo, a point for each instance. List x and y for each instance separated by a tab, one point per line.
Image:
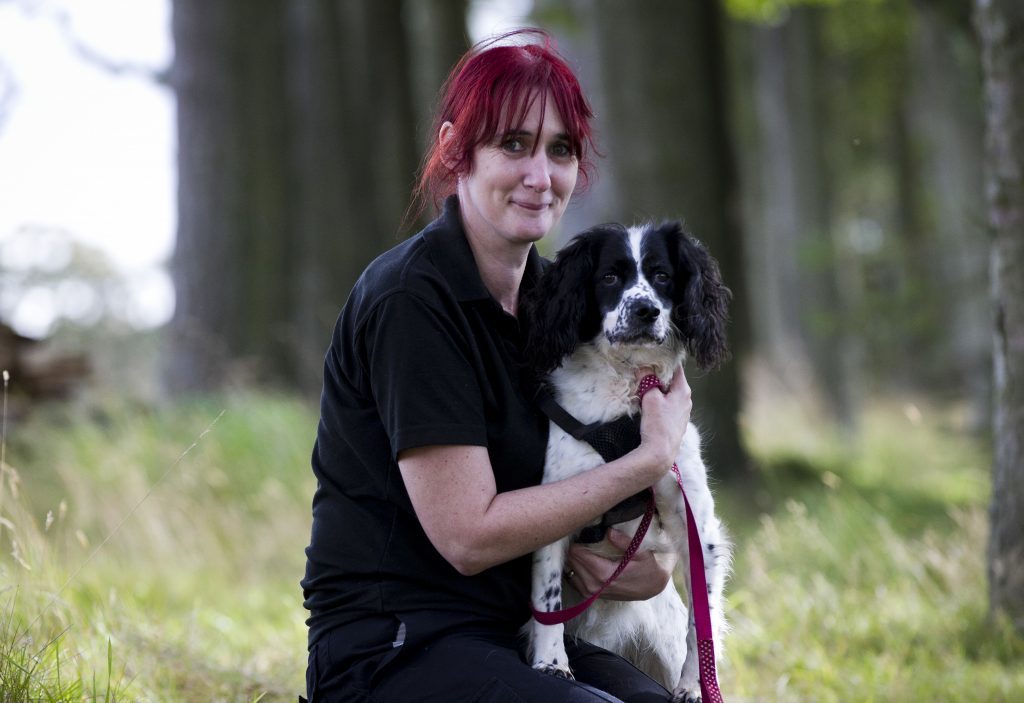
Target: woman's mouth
533	207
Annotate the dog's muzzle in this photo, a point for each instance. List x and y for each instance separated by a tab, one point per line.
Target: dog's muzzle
639	323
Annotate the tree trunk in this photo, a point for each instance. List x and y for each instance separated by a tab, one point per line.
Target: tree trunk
946	125
800	326
296	159
353	156
673	159
325	215
231	259
384	141
438	37
1001	27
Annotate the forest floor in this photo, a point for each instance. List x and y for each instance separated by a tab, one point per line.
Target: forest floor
154	554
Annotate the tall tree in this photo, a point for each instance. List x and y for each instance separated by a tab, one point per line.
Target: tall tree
231	259
353	156
1000	25
672	157
438	37
297	153
945	126
799	317
326	217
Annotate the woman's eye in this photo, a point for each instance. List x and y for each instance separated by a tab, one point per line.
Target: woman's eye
513	145
561	151
661	277
609	279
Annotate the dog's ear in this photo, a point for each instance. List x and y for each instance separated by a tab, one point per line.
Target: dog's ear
701	300
556	309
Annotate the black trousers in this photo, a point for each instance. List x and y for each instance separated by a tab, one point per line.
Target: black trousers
382	661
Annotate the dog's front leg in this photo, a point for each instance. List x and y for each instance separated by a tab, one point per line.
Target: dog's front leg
716	551
688	688
672	512
547	642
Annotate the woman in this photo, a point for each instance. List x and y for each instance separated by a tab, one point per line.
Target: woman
429	451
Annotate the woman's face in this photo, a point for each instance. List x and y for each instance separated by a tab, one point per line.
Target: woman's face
515	192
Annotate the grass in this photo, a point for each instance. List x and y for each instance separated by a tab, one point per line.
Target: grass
195	596
859	569
860	572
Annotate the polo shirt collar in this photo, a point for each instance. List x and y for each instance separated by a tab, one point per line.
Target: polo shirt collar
451	253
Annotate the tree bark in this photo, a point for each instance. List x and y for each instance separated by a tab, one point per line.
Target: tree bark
673	158
231	258
1000	25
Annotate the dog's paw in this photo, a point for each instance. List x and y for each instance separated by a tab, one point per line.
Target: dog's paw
555	669
684	695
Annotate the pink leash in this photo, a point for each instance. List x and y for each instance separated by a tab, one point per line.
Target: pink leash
709	690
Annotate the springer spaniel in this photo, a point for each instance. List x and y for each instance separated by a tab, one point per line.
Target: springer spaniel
616	299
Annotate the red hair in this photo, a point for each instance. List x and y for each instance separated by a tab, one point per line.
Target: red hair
489	92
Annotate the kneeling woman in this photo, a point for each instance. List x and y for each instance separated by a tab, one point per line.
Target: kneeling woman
429	451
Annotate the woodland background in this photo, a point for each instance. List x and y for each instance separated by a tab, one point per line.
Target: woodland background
154	496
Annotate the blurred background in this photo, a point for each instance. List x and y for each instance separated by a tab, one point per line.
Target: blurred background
188	191
829	153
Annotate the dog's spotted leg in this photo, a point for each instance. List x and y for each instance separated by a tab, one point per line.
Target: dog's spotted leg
716	551
688	688
547	642
717	563
717	555
673	517
717	560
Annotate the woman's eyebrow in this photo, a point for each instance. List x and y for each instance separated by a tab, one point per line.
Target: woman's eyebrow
527	133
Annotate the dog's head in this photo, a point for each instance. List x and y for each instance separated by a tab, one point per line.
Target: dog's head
641	286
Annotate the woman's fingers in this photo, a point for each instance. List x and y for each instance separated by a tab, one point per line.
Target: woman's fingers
644	576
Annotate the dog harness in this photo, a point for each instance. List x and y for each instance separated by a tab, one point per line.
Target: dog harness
613	440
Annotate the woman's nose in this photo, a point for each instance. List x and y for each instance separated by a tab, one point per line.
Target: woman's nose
538	172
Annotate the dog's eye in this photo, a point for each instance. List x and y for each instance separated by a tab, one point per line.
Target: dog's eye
610	279
661	277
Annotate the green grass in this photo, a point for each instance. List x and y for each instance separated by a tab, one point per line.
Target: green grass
859	570
195	596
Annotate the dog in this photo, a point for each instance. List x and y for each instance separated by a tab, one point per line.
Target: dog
614	300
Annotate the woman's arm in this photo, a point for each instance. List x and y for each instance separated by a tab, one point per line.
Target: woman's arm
474	527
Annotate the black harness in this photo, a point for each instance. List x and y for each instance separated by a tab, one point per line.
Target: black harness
611	440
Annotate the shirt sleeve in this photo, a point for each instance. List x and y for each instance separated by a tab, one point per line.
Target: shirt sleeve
423	375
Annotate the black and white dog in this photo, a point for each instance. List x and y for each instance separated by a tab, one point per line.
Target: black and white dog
616	299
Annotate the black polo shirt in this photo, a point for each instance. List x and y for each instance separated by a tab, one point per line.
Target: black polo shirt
421	355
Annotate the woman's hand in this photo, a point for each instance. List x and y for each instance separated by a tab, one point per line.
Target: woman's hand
663	421
644	577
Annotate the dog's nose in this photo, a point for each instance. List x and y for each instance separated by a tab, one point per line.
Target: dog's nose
646	311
